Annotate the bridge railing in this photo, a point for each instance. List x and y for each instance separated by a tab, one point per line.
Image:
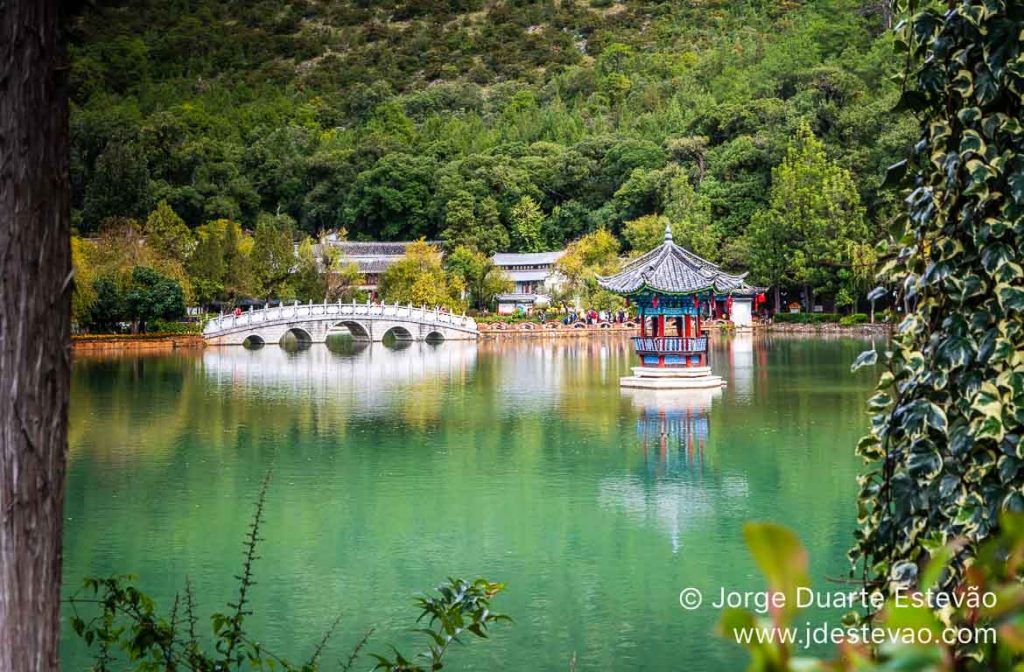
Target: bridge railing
318	311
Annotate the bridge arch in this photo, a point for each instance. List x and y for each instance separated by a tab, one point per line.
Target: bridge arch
358	331
254	342
398	333
434	338
302	337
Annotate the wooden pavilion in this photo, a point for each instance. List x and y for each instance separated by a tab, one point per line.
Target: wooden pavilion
672	289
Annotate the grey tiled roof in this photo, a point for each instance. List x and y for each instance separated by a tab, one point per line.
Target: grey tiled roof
527	258
673	270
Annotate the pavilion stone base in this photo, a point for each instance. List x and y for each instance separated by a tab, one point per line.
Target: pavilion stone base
672	378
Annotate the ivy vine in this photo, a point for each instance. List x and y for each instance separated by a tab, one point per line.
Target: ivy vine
944	451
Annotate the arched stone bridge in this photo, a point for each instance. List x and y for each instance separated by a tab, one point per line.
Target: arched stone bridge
314	322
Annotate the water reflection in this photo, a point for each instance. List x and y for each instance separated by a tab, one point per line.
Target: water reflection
522	460
741	366
677	491
366	376
673	427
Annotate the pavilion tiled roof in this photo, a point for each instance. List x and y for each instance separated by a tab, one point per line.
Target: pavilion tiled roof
671	269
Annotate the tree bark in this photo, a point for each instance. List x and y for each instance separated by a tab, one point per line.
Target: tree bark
35	293
778	298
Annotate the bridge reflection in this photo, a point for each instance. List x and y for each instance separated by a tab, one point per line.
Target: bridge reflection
366	376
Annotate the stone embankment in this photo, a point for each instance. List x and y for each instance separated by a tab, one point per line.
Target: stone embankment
114	343
877	329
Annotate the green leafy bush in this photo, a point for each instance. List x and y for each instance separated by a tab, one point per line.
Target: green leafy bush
853	320
807	318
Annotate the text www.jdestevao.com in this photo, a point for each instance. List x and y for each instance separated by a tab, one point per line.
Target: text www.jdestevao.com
811	634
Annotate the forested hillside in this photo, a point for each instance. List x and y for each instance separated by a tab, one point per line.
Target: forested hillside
508	123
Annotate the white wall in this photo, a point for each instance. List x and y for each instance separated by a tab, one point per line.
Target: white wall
741	311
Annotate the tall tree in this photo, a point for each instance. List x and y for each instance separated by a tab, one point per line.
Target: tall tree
167	234
35	327
273	253
307	281
472	225
420	278
645	233
527	220
814	217
481	276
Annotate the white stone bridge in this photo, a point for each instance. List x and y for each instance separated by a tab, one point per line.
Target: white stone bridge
314	322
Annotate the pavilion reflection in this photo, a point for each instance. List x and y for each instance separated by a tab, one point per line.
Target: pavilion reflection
674	488
673	427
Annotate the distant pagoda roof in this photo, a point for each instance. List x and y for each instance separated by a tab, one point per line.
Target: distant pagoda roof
670	269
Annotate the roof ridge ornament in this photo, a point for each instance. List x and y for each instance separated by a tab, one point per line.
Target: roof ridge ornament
668	232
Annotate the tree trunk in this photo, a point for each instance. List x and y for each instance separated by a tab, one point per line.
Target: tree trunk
778	299
35	323
809	299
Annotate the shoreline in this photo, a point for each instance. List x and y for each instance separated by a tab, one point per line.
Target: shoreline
558	330
113	343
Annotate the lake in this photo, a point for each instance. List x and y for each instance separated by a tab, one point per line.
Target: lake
521	461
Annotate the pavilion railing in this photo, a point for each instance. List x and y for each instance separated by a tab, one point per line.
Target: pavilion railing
665	345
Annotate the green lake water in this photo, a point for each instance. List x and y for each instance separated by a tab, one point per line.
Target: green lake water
520	461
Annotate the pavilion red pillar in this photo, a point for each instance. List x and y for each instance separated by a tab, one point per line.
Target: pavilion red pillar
703	355
661	332
688	327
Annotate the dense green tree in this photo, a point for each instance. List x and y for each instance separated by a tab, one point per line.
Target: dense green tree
107	310
119	185
690	214
151	296
813	222
206	266
421	279
167	234
594	254
476	226
221	268
307	281
481	277
527	221
392	200
645	233
382	125
273	255
144	297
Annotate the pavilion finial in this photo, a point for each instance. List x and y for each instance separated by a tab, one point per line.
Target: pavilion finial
668	232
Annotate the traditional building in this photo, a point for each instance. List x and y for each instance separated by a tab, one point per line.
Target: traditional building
372	258
533	276
674	290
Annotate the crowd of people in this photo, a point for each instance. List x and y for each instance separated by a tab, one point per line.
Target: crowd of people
592	316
